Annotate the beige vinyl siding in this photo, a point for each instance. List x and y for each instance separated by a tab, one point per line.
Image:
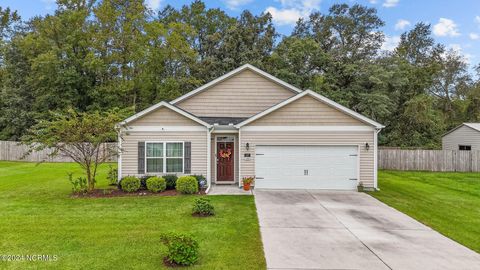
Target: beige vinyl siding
310	138
197	138
241	95
163	117
213	156
462	136
307	111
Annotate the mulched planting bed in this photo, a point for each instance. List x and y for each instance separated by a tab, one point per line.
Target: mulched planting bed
168	263
201	215
105	193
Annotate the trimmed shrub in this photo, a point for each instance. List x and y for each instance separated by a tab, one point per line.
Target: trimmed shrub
130	184
156	184
143	181
182	248
202	207
201	180
187	185
171	180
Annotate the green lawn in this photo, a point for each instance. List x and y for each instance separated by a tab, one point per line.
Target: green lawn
37	216
446	202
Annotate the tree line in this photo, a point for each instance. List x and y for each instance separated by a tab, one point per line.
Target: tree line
99	55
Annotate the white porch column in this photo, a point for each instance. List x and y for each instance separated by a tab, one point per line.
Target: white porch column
209	159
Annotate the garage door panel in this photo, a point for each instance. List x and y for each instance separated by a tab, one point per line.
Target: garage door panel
299	167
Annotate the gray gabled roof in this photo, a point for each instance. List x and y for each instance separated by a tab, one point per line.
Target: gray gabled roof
238	122
475	126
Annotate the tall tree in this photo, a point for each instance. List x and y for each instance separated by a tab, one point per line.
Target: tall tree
415	61
451	83
210	28
119	40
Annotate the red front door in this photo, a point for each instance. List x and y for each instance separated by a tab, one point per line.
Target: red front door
225	162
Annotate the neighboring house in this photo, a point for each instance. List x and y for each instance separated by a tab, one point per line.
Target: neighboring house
249	123
464	137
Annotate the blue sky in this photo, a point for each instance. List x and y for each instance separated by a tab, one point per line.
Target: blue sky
455	23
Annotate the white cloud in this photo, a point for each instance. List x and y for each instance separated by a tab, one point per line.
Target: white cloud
284	16
390	43
446	27
390	3
49	4
291	10
235	4
153	4
477	19
401	24
457	48
474	36
372	1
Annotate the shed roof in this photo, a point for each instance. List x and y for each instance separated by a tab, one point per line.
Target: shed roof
475	126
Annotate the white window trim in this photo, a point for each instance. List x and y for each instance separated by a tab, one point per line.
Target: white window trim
164	171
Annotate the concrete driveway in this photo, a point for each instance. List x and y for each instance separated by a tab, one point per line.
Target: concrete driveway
350	230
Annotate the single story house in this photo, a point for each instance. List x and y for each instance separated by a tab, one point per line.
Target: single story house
464	137
250	123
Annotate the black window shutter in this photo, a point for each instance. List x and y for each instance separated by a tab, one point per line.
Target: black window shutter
187	157
141	157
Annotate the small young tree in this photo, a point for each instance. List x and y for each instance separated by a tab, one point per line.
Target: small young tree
81	136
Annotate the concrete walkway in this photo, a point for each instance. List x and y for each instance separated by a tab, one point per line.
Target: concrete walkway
350	230
228	190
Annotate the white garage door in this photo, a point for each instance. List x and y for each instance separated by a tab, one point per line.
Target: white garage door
306	167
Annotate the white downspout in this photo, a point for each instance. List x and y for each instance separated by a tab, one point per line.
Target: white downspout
209	158
375	158
119	160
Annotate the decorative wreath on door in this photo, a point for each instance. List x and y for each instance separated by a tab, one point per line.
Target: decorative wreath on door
225	153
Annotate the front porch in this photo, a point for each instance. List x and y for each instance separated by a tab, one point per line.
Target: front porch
223	153
224	158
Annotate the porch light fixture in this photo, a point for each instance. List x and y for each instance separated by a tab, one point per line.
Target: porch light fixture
247	146
367	146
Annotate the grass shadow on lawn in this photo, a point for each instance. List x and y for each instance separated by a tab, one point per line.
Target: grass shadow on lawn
39	217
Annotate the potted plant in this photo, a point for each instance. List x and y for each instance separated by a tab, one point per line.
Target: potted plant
360	187
247	181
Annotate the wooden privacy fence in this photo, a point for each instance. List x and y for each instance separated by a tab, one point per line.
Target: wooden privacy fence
14	151
429	160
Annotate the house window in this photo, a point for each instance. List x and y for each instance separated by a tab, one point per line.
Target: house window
174	157
465	147
164	157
